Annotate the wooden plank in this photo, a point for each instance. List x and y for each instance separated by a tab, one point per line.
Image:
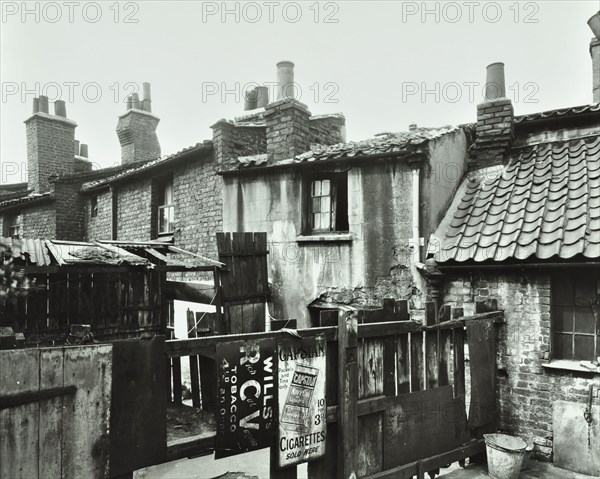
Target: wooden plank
444	359
194	368
458	340
326	466
347	394
417	377
431	359
373	367
85	449
37	304
387	329
430	313
422	424
370	444
177	398
19	447
51	433
389	365
236	319
402	364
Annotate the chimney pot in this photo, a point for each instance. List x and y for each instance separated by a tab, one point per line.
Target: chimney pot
36	105
43	104
135	101
595	54
83	150
412	127
60	109
147	101
285	80
262	96
594	24
494	83
250	99
129	103
76	143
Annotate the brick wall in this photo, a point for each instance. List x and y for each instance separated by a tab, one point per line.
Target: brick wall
525	389
198	202
288	132
50	149
327	130
134	211
233	141
137	135
99	227
39	222
69	211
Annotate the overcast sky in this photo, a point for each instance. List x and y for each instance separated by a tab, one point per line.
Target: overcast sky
383	64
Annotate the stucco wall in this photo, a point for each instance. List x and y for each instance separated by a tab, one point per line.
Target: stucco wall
526	390
362	271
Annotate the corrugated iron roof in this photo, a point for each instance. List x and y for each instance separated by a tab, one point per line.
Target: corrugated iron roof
545	203
145	166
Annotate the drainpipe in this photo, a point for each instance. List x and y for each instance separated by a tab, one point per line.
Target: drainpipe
415	217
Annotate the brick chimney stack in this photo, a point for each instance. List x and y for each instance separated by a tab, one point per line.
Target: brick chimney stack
136	129
594	24
50	144
288	120
495	122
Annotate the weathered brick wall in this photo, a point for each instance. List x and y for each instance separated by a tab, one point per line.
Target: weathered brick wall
39	222
50	149
99	227
69	211
327	129
232	141
288	132
526	391
198	207
137	135
134	211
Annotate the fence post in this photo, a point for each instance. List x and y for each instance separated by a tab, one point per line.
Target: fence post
347	393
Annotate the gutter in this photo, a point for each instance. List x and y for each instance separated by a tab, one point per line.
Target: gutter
517	266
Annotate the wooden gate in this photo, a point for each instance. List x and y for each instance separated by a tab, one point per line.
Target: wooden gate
396	394
244	280
54	412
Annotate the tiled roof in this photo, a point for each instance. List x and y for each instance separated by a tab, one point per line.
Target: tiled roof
25	199
544	204
145	166
558	113
390	143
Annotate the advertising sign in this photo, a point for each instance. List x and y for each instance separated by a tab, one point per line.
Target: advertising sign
247	396
302	408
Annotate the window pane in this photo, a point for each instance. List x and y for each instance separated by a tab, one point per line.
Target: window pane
562	319
585	321
168	193
562	290
325	204
316	188
562	347
585	291
316	205
584	347
316	221
325	189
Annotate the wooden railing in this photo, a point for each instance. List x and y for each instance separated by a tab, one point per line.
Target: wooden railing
375	371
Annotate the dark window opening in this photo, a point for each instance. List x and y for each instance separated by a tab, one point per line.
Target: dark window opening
575	315
12	228
166	208
327	203
94	206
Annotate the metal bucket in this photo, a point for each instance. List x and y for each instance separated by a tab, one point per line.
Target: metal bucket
504	455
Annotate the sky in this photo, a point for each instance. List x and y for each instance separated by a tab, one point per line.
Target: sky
383	64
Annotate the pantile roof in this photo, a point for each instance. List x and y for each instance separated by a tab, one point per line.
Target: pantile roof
385	143
558	113
545	203
25	199
147	165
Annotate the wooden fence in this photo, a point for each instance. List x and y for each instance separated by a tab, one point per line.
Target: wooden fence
117	302
395	394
